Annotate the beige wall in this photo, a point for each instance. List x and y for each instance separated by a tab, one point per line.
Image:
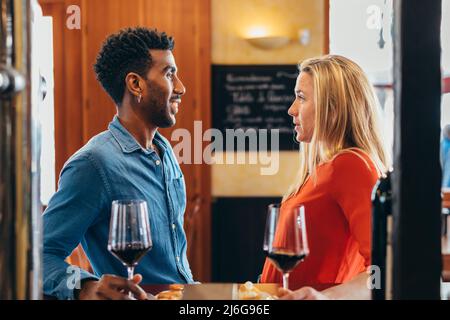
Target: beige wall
231	19
234	180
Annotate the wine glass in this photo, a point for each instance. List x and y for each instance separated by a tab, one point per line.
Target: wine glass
285	240
129	233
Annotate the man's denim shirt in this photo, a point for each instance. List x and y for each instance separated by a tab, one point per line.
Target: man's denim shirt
113	166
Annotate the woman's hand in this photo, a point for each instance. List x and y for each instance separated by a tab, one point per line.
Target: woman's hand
355	289
305	293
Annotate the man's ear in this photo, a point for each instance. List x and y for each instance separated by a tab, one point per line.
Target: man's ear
134	83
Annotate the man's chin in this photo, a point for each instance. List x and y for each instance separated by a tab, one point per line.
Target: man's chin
167	123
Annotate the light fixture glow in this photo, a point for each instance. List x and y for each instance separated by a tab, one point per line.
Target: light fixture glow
257	31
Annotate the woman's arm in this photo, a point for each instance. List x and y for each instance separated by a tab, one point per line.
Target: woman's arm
355	289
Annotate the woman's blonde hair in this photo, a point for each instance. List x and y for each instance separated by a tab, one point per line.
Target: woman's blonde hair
346	116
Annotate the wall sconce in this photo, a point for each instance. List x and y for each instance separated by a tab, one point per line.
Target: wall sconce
258	36
270	42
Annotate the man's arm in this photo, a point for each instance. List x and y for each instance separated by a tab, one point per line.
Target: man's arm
71	211
81	198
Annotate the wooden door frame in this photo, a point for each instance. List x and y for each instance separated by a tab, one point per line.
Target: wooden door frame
68	105
326	29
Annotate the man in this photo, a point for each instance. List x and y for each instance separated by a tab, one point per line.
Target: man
130	160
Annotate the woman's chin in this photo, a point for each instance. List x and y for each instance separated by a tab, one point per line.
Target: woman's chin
302	139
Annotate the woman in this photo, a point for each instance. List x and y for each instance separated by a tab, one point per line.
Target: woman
342	156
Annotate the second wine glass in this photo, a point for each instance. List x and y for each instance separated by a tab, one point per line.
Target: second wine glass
285	240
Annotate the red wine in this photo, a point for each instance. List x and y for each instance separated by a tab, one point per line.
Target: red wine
285	261
130	255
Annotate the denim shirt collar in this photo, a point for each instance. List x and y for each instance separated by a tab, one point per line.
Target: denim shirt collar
127	142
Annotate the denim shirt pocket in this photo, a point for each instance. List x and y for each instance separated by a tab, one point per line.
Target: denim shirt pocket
177	189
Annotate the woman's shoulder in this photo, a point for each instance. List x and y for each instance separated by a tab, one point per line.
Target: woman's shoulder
353	161
352	156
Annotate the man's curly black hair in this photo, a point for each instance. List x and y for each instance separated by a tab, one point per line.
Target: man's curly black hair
127	51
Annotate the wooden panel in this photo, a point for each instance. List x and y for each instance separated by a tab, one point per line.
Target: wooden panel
446	267
326	28
116	14
203	85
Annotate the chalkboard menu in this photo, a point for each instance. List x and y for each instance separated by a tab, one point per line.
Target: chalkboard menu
254	97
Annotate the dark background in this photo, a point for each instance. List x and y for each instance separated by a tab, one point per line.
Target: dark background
238	232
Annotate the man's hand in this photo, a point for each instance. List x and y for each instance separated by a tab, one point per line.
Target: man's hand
305	293
111	287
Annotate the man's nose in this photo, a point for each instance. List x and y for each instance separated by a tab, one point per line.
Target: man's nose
179	87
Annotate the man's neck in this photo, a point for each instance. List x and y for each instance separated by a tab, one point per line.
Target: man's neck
140	130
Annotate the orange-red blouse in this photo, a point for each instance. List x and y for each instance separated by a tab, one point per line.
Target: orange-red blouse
338	222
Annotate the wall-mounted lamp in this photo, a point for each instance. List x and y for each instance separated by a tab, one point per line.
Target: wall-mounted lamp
270	42
259	37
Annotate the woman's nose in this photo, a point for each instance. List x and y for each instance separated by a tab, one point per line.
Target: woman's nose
293	110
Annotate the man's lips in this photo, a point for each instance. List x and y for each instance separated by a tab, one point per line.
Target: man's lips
174	104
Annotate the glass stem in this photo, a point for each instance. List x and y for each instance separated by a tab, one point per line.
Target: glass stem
130	277
286	280
130	273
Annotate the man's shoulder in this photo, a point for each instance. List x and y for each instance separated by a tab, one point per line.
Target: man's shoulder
96	149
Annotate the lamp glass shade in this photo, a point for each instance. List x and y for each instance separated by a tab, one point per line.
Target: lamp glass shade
267	43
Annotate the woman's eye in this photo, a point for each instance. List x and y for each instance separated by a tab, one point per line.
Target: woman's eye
170	75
